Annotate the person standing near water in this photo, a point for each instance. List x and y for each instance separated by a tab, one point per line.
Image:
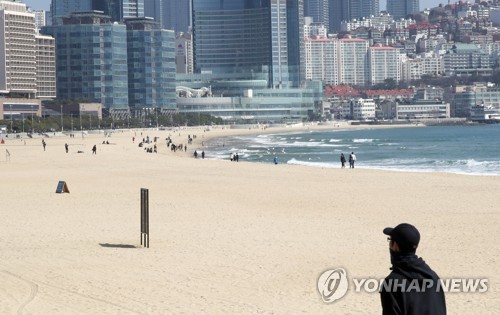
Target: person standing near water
352	159
342	160
275	160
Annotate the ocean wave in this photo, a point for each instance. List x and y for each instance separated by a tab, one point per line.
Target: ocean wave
294	161
363	140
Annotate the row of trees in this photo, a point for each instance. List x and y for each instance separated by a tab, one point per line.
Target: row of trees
34	124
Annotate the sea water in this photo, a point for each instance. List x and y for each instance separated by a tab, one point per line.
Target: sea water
471	150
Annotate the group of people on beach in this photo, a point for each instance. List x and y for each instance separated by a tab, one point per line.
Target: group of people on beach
195	154
234	157
352	159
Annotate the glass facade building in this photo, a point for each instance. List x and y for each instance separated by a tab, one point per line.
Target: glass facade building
249	36
401	8
120	9
60	8
231	36
91	60
151	63
318	10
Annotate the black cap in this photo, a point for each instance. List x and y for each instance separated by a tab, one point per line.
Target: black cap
406	235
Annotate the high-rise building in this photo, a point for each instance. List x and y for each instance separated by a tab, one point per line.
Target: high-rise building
45	67
40	18
176	15
353	61
383	64
117	9
338	12
154	9
401	8
363	8
345	10
151	65
132	8
231	36
321	59
318	10
250	36
60	8
17	49
92	60
120	9
184	53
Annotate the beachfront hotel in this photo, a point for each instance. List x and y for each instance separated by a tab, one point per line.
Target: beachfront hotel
27	63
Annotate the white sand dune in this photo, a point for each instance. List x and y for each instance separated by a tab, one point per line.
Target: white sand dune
224	237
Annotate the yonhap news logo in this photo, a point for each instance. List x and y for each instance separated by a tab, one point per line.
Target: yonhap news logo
333	285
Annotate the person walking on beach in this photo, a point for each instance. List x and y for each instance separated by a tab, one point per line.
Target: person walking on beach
352	159
66	147
275	160
342	160
412	288
195	154
43	144
94	150
202	154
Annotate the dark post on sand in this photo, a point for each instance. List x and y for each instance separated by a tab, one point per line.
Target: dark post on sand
145	217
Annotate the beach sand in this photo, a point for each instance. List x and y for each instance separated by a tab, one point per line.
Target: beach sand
224	237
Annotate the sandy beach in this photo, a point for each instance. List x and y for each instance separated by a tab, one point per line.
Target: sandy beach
225	238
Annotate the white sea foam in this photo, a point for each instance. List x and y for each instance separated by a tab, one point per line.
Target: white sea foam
363	140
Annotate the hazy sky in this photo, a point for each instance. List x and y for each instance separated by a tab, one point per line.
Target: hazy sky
45	4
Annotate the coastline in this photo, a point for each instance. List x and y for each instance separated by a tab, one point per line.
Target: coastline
225	237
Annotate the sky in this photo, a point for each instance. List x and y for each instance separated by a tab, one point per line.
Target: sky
45	4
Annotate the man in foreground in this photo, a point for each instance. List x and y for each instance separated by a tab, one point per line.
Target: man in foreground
412	287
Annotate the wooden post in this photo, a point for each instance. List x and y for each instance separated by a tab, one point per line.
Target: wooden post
145	217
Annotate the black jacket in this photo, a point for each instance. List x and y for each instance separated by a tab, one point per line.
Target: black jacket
412	288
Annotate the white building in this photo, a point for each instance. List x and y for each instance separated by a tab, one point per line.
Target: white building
426	64
314	29
359	108
17	48
321	59
352	61
45	67
423	110
384	64
184	53
40	19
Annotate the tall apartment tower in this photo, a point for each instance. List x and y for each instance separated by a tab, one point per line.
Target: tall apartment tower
384	64
250	36
318	10
352	58
17	49
401	8
151	65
